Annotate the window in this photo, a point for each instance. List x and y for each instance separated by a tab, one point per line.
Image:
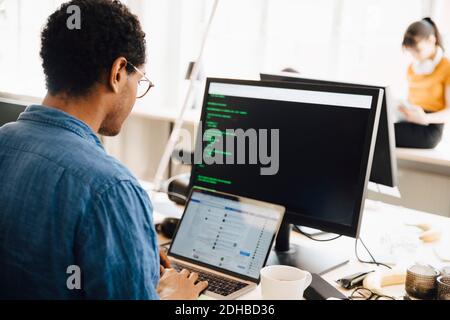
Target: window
20	24
357	40
342	39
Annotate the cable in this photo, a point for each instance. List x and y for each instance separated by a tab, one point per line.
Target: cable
165	244
177	195
378	188
165	187
165	184
368	251
356	247
312	238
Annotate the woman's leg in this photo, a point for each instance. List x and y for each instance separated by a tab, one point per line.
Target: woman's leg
411	135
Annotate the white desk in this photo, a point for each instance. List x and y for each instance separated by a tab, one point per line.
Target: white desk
379	221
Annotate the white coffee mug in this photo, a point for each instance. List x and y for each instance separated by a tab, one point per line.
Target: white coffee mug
284	282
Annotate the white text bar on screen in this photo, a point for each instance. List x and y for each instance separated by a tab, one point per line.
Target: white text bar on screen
291	95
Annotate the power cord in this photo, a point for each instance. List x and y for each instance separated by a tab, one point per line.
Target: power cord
375	262
165	184
165	244
297	228
370	254
177	195
165	188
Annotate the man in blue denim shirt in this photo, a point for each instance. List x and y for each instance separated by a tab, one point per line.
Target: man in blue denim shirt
66	207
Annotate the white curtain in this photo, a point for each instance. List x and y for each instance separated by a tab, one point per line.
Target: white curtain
441	13
341	39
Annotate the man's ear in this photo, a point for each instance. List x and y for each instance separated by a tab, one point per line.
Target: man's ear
117	76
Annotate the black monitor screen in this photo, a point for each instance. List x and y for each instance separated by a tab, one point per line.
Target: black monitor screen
9	112
384	167
313	157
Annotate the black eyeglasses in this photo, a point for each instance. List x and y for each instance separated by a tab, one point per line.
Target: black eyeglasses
144	85
362	293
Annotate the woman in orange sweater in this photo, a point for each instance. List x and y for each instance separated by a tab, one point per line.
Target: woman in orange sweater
429	88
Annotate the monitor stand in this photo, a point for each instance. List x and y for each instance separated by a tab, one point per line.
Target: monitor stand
317	261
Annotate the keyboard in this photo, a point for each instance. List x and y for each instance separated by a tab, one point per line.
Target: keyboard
217	284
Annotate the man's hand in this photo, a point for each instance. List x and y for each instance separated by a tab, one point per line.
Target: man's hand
180	286
415	114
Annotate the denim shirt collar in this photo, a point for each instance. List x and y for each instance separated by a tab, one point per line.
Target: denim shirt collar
55	117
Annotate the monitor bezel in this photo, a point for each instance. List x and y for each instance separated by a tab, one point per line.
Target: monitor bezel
353	229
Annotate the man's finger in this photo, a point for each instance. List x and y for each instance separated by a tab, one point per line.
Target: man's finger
164	260
193	277
201	286
185	273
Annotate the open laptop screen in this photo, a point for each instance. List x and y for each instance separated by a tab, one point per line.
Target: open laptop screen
227	233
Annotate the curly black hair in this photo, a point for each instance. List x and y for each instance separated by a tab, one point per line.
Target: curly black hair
76	59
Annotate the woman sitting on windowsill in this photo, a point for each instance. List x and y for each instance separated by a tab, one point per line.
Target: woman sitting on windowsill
428	106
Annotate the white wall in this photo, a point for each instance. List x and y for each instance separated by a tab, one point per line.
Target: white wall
421	190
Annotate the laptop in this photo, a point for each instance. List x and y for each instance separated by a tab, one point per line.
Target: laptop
226	239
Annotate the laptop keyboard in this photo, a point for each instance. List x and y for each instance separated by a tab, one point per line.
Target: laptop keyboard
217	284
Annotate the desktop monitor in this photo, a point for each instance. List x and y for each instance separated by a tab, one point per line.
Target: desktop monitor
384	165
10	110
320	139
